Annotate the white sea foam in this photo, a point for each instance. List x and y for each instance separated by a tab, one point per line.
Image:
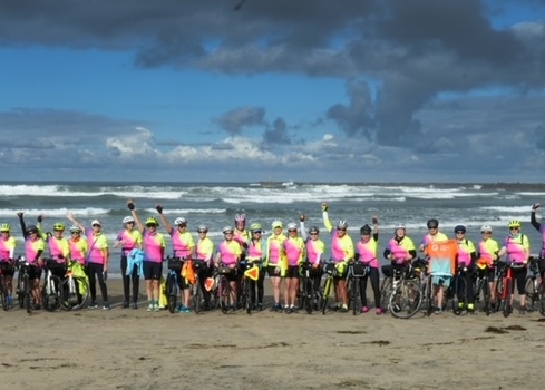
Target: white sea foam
190	211
510	209
88	211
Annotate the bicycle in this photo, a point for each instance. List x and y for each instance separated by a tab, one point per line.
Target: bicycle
356	271
52	293
224	290
246	285
482	283
174	266
5	267
533	286
405	296
24	287
330	271
199	267
459	299
306	287
505	286
75	287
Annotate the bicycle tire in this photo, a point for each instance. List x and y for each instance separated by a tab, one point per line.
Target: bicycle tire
20	291
27	293
429	296
530	291
401	304
247	299
52	300
310	296
385	292
499	293
197	296
507	303
82	285
4	293
325	294
303	293
225	295
354	294
171	293
486	295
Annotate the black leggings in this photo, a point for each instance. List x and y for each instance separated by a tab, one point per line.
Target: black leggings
96	271
374	275
519	274
127	280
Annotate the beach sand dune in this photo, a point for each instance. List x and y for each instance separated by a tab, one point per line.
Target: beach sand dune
134	349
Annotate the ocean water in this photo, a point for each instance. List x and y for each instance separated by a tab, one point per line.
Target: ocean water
215	204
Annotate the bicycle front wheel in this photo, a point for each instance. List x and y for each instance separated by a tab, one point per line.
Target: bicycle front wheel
51	293
197	296
326	292
171	293
406	299
354	295
507	303
531	292
4	292
385	292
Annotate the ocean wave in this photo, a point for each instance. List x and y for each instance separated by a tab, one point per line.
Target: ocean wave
510	209
88	211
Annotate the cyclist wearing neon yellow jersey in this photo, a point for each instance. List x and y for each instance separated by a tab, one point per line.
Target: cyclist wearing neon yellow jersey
342	251
294	248
183	246
129	239
433	234
34	247
204	251
314	249
7	248
466	256
487	255
228	254
275	261
366	252
517	248
98	257
255	253
540	227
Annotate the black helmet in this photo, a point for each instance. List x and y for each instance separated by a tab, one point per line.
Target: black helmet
315	229
460	229
32	229
365	230
433	223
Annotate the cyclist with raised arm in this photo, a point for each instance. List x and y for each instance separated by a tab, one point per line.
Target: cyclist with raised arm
517	248
488	254
256	253
34	247
7	249
294	248
466	256
204	251
275	261
78	252
366	252
314	249
183	245
129	239
342	252
540	227
242	236
228	254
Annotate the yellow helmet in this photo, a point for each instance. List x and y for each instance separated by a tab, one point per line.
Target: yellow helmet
5	227
513	224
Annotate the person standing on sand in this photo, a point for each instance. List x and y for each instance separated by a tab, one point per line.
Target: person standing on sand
314	249
366	253
228	254
466	256
275	261
98	258
242	236
540	227
294	248
129	239
34	248
255	253
7	248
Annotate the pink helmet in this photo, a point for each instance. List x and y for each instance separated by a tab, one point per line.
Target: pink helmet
240	218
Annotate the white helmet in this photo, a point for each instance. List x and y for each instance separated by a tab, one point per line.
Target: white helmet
400	226
486	228
128	219
228	229
292	225
180	221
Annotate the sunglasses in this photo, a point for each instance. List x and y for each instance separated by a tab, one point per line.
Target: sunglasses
432	228
513	228
74	233
486	232
228	233
151	225
182	225
341	229
460	232
257	232
95	225
313	234
292	230
201	231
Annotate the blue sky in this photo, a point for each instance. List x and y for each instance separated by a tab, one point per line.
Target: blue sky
308	90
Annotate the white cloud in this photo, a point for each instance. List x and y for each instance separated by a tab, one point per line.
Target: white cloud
129	146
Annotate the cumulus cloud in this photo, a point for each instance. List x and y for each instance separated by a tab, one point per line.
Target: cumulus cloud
234	120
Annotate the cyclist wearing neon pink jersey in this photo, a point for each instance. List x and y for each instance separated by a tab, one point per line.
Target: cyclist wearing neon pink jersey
59	248
228	254
98	257
342	251
183	246
129	239
256	253
401	248
78	246
34	247
7	248
314	249
241	236
517	248
275	261
488	254
540	227
204	251
466	256
294	248
366	252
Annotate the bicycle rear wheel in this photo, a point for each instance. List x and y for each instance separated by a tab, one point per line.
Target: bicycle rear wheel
51	294
499	294
326	292
406	299
354	295
486	296
197	296
507	303
171	293
385	292
429	296
531	292
4	293
309	296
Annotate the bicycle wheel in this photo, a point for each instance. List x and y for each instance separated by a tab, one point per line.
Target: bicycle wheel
197	296
429	296
354	296
326	292
27	294
499	293
406	299
51	294
4	293
477	286
507	303
247	299
225	295
20	290
385	292
303	293
531	292
309	296
486	296
172	293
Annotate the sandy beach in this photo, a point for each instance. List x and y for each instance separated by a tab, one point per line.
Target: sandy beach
134	349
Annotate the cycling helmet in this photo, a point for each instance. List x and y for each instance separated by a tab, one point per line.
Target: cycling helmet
276	223
202	229
75	229
486	229
256	227
240	218
227	229
59	227
292	226
513	224
5	227
151	221
32	229
180	221
365	230
127	220
342	225
460	229
433	223
400	226
314	229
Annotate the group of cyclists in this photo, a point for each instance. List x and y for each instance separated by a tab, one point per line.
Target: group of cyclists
280	256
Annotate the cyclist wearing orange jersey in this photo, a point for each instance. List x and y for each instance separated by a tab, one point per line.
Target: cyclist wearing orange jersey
342	251
7	248
434	235
441	282
275	259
